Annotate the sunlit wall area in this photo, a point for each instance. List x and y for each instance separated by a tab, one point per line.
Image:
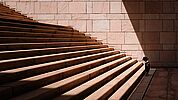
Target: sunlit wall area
138	27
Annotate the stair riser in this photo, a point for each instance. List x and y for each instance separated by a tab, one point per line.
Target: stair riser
21	25
15	24
133	86
20	89
101	83
36	84
8	12
15	18
10	16
23	74
32	25
5	12
36	30
113	89
39	60
75	83
41	35
39	40
16	29
69	86
9	47
84	68
45	51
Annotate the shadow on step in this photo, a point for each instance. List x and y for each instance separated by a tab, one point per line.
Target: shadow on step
141	89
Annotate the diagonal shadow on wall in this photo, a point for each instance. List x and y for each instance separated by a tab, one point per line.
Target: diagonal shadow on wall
156	27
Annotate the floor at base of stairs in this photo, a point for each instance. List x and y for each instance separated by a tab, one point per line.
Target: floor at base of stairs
160	84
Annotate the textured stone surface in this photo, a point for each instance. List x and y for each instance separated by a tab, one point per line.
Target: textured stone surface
115	7
116	38
115	25
77	7
131	38
100	7
45	7
101	25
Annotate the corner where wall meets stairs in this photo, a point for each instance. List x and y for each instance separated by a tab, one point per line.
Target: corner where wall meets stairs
42	61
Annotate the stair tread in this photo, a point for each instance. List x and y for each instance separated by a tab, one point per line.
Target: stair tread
34	23
17	46
110	85
50	63
67	69
46	76
123	89
7	44
46	49
32	29
45	61
37	58
39	39
90	62
31	34
42	38
61	83
14	18
4	55
96	80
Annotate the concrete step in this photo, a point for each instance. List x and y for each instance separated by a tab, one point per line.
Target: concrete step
21	29
39	40
12	15
14	18
80	92
31	26
35	30
15	15
21	23
6	10
19	46
42	61
44	35
4	55
28	71
23	85
108	89
121	93
28	61
66	84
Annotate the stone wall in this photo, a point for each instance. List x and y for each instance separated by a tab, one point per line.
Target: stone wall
138	27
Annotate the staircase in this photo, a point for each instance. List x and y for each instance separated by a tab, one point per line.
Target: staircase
6	13
41	61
